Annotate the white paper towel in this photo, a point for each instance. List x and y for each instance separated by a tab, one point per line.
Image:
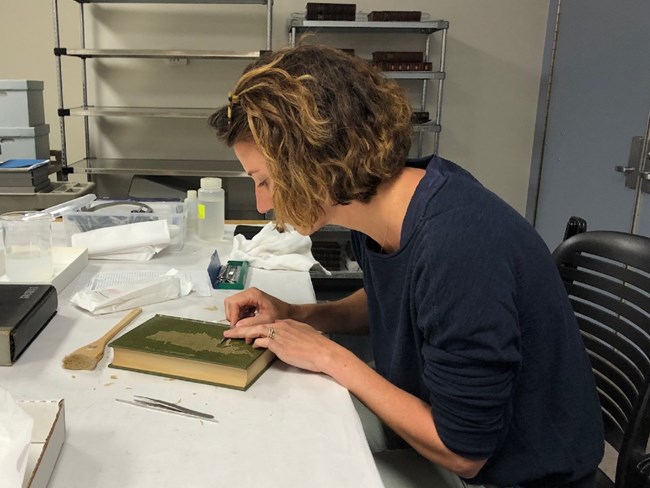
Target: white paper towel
133	242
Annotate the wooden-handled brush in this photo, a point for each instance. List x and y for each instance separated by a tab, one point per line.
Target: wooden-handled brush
88	356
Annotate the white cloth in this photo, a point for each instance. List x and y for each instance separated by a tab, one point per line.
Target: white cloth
131	242
270	249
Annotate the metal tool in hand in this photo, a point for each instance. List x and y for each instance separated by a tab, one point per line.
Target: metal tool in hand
168	407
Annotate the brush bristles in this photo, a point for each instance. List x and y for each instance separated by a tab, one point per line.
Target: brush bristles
79	361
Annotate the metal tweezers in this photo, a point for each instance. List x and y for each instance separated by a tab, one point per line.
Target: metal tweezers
168	407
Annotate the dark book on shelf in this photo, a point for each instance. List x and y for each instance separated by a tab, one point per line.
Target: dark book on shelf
25	310
420	117
398	56
395	16
190	349
331	11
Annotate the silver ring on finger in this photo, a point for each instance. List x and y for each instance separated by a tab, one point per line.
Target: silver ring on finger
271	333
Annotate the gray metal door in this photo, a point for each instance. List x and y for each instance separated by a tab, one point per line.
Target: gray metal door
599	101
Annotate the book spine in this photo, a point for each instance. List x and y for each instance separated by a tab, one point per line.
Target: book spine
420	117
28	329
395	16
397	66
331	11
399	56
6	356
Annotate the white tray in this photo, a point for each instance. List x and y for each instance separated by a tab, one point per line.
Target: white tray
48	435
68	263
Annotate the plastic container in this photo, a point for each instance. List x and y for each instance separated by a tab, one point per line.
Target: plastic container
84	220
191	208
27	239
211	209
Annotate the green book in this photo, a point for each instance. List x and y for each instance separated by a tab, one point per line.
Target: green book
189	349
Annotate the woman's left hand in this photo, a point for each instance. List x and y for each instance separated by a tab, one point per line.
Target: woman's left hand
295	343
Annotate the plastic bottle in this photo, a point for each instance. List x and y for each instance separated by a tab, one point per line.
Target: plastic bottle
191	208
211	209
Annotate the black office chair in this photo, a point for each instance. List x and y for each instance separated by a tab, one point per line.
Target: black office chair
607	276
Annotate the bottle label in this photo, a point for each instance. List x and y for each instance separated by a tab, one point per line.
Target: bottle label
201	211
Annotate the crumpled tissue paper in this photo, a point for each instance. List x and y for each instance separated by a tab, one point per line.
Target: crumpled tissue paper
126	296
132	242
15	439
270	249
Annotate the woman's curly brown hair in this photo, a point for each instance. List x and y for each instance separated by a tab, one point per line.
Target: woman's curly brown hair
330	126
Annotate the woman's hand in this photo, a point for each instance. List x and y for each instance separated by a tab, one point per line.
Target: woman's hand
295	343
253	306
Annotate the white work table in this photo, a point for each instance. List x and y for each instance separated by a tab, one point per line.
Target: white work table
290	429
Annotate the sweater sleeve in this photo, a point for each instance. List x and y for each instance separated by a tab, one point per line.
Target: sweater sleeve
466	311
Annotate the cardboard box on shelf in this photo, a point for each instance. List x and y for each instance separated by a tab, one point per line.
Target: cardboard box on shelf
21	103
18	142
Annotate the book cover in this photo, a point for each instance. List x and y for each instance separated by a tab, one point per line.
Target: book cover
189	349
24	311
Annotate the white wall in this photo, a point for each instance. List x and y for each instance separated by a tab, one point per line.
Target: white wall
494	57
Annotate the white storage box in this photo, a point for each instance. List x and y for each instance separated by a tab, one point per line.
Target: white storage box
21	103
48	437
25	142
128	212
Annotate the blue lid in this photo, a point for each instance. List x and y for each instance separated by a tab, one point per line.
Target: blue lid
23	163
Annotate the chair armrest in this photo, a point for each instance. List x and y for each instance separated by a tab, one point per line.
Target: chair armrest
639	470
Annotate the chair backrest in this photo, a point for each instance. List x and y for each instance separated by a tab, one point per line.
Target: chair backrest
607	277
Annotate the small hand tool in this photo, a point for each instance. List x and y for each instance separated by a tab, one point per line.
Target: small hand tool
168	407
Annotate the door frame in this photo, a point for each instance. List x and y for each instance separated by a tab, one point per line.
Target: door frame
543	102
541	125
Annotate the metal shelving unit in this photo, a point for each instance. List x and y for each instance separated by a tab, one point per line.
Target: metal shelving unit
163	167
156	53
427	28
92	165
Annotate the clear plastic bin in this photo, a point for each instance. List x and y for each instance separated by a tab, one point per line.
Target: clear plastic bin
128	212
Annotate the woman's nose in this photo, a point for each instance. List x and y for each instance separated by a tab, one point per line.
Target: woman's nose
263	202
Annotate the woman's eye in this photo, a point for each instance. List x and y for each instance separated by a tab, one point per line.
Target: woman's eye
262	183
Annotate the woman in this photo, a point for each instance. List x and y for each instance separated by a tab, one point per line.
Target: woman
480	367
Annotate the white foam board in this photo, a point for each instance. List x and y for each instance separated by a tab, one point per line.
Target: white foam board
67	261
48	436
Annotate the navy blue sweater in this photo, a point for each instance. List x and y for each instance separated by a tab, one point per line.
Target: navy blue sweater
470	315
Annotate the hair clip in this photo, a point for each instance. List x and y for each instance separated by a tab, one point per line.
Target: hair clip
232	99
